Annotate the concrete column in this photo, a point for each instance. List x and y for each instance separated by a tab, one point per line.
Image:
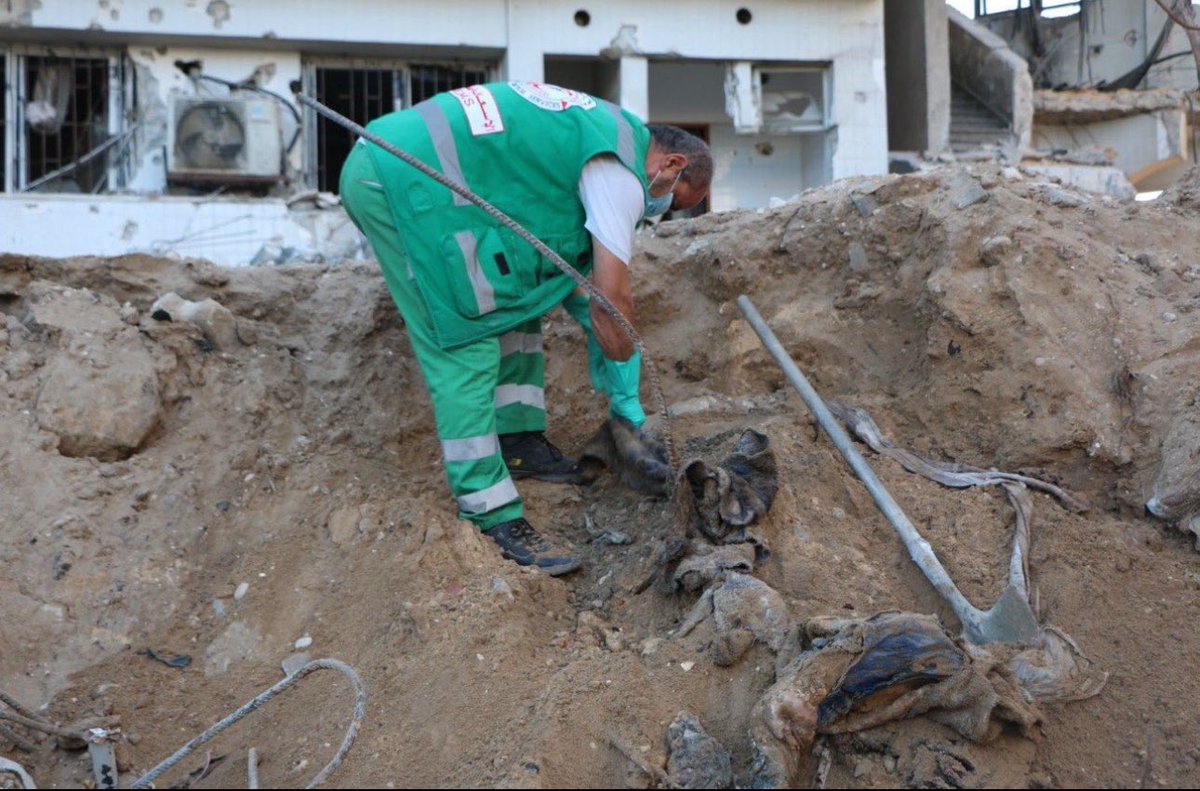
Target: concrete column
918	75
937	76
524	61
524	55
634	91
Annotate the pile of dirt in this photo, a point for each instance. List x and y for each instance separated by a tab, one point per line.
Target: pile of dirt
233	492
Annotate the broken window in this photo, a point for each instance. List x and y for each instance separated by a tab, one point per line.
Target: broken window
777	99
64	104
1046	8
793	100
367	91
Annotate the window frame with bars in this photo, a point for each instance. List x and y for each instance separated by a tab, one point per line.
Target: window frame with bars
16	148
404	94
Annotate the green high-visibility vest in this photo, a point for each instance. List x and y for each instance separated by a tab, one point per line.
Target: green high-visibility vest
521	146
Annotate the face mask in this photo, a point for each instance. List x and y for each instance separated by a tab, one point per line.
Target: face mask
657	206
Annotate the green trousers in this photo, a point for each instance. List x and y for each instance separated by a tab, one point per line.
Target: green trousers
484	389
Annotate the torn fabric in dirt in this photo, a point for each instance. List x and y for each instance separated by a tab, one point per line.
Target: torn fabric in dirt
861	674
638	459
723	502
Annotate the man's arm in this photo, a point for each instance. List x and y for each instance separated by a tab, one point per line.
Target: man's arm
611	276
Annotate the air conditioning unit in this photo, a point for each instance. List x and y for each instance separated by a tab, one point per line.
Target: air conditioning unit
227	140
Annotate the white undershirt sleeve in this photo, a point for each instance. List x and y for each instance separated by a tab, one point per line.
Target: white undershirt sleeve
613	200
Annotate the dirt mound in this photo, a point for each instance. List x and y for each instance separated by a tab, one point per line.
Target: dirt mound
148	472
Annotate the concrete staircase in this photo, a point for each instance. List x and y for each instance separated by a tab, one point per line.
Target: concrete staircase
973	125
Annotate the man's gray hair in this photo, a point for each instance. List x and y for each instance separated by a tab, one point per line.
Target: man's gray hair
673	140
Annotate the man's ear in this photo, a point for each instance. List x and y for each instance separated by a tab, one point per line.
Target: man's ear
678	160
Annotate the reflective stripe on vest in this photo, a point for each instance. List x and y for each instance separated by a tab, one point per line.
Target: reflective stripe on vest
485	295
624	137
443	142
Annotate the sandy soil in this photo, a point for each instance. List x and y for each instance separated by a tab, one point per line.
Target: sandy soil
1032	329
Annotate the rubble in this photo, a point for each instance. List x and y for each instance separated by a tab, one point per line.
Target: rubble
303	467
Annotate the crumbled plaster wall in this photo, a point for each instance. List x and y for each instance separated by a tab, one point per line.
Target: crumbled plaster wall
226	231
1134	142
18	13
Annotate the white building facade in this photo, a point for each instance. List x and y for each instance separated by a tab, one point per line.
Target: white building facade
104	153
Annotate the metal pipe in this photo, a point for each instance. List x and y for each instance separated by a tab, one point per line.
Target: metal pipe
918	548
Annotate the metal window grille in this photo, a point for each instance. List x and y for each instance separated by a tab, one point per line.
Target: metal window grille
426	81
365	93
358	94
4	170
84	124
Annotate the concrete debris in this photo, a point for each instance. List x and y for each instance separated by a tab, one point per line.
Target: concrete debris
294	662
214	320
1063	199
1176	490
865	205
965	190
695	759
1098	179
1083	106
102	396
994	249
858	257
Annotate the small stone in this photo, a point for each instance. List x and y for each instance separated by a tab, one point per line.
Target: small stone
499	586
616	537
889	763
862	767
293	663
863	204
303	642
966	191
858	257
239	593
688	665
1063	199
1011	173
1123	563
650	646
1169	317
218	608
993	250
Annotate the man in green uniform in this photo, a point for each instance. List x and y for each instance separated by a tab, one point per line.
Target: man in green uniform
579	173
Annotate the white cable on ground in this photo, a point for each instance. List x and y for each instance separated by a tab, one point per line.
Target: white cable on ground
360	711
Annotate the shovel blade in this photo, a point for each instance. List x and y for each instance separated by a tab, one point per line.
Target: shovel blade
1011	620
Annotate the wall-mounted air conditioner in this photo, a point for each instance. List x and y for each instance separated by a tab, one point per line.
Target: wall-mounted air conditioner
227	140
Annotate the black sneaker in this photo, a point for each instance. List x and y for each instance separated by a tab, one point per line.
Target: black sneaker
521	543
528	454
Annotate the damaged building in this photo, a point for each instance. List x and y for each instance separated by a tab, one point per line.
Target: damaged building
1111	83
168	126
